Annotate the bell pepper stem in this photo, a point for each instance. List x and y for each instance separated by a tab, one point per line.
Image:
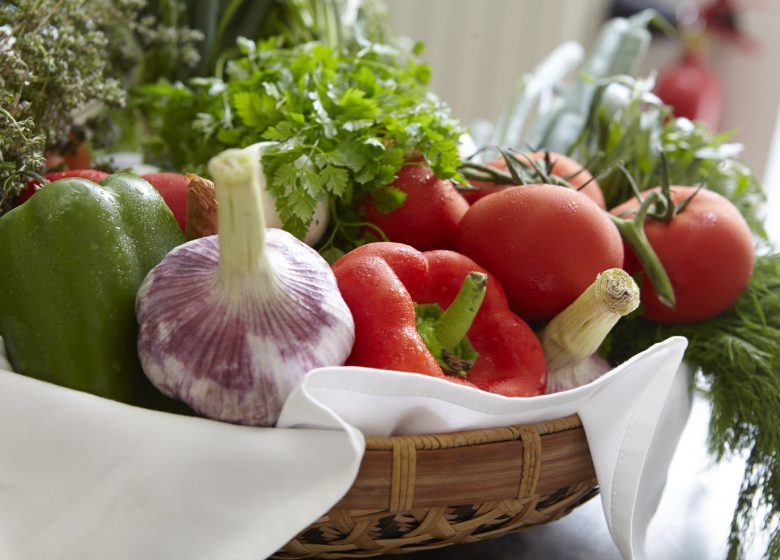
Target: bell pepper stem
444	332
456	320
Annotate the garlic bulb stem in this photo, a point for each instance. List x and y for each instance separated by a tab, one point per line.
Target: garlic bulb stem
239	182
576	333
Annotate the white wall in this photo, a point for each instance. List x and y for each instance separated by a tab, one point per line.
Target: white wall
477	49
772	184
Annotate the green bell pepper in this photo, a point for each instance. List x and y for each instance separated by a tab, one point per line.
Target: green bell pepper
71	259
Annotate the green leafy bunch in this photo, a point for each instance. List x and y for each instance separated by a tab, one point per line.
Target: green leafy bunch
737	356
735	352
627	123
61	61
52	62
343	122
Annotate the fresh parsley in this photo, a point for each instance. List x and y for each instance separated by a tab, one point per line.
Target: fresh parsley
343	122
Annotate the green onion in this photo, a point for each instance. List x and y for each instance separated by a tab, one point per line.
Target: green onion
571	339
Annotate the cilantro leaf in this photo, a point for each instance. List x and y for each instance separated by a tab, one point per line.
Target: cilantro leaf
388	199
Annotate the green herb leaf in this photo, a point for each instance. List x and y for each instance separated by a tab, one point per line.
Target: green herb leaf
638	129
345	121
335	180
737	355
388	199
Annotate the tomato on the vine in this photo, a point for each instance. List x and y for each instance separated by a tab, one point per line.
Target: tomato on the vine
706	250
429	215
560	166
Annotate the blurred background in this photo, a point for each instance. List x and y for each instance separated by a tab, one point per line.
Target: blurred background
478	50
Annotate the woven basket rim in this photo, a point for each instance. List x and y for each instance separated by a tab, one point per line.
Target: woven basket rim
479	436
419	492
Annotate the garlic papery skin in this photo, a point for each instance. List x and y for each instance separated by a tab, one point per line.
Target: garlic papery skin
230	323
571	338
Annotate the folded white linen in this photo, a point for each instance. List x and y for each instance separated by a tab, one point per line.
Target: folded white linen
83	477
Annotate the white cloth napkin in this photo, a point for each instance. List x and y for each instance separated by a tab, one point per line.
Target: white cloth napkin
86	478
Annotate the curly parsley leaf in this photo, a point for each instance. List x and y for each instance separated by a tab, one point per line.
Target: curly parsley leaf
344	123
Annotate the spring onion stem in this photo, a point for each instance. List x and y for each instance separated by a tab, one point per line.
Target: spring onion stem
576	333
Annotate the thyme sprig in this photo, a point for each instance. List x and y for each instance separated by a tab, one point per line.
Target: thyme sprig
62	59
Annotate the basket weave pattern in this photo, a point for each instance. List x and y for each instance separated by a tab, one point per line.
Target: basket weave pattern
421	492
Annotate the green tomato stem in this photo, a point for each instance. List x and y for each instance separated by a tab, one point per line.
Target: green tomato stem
633	233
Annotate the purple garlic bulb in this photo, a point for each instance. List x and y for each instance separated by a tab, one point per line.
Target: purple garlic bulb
231	323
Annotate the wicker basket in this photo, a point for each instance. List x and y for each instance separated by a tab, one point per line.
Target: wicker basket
420	492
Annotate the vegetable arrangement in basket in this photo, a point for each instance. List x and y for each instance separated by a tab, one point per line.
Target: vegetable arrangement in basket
723	278
508	271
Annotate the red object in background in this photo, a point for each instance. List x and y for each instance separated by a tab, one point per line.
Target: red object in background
721	17
692	90
91	174
689	86
173	188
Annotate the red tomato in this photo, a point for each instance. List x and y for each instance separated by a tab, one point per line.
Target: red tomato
173	188
561	166
74	154
429	216
545	245
692	90
91	174
707	251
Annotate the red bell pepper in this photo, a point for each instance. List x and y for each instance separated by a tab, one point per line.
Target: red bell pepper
389	287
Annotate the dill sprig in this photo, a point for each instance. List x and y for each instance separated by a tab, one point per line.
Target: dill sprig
739	360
